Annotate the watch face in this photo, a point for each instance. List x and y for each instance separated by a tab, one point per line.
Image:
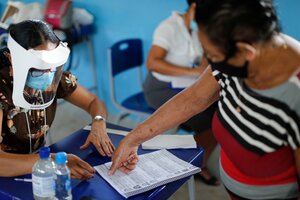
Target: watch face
99	118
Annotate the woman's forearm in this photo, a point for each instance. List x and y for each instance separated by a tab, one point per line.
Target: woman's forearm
89	102
97	107
16	164
177	110
163	67
156	62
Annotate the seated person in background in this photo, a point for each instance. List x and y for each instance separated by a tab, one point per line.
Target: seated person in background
176	51
32	78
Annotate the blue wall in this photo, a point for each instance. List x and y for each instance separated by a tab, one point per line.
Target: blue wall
119	19
289	15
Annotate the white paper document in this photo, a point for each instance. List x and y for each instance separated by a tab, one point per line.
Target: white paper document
183	81
170	142
153	170
109	130
161	141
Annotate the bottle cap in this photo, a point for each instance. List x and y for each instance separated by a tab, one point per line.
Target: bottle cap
61	158
44	152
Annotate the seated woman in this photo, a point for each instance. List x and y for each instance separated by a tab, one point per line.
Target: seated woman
177	52
32	79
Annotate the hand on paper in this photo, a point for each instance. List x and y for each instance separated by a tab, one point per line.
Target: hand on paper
130	164
94	106
80	169
124	158
99	138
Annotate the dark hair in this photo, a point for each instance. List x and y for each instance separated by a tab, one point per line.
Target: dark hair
32	33
227	21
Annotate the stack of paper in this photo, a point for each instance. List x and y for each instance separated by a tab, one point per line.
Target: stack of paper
170	142
109	130
153	170
183	81
161	141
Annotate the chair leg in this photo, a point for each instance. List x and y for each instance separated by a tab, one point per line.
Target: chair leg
191	188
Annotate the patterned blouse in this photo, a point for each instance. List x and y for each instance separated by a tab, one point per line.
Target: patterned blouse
14	136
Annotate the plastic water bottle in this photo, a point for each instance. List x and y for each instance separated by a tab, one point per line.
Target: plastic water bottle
42	176
62	177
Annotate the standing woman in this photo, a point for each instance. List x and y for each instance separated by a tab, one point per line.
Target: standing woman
254	73
32	78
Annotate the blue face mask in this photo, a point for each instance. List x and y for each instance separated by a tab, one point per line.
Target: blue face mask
193	25
39	81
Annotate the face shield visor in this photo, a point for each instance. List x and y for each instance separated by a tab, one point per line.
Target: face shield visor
36	74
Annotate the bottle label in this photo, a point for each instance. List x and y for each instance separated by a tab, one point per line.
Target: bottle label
43	186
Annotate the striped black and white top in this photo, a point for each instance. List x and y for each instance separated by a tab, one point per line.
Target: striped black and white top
260	120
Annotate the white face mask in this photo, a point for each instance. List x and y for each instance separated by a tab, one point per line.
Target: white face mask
36	74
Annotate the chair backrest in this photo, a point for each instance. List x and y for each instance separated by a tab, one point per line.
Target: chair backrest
125	54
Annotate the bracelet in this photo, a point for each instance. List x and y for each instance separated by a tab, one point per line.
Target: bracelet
98	118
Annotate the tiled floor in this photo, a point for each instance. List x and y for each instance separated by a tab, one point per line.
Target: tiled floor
203	192
69	119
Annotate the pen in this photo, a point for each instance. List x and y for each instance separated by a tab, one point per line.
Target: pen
23	179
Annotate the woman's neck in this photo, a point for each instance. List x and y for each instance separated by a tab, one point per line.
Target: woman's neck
272	66
187	21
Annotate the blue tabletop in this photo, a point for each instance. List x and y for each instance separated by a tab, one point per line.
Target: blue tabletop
97	187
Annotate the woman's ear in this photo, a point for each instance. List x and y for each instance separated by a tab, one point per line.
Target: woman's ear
191	11
247	50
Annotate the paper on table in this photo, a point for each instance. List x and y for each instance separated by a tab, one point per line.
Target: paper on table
183	81
160	141
109	130
170	142
153	170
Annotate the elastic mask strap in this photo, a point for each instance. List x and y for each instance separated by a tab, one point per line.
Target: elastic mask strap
45	124
45	118
29	132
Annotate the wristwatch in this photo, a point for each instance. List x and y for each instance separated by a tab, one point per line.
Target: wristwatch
98	118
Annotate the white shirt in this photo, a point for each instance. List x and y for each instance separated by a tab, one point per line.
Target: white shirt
183	49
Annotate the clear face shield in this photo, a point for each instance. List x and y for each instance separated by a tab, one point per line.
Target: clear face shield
36	74
41	85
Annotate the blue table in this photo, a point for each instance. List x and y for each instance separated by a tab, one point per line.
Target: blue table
97	188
